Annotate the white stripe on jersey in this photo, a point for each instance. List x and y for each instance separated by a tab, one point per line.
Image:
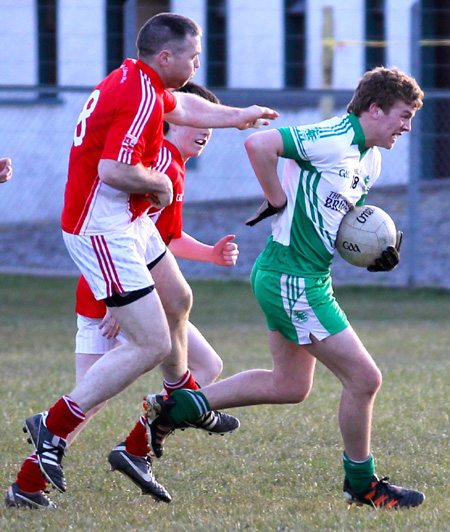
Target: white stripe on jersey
165	158
89	205
148	100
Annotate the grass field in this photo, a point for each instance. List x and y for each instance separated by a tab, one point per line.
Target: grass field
282	470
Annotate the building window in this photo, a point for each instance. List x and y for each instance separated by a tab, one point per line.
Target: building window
294	43
216	42
47	43
375	50
435	50
435	74
114	34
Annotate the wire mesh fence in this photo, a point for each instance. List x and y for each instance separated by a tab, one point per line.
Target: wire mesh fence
221	190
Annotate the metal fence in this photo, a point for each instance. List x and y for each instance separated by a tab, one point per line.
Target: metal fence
37	129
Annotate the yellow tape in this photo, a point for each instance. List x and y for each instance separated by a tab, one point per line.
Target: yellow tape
334	43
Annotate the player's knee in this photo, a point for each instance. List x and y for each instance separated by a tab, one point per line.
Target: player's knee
154	352
180	305
370	382
376	381
217	367
294	394
213	370
299	395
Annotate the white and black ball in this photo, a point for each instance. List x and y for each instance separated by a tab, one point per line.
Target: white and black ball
365	232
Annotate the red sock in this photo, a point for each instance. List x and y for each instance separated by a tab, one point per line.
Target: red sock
30	478
64	417
136	442
186	381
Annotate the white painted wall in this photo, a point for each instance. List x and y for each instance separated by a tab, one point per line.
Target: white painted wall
81	41
18	42
255	40
398	33
255	44
348	18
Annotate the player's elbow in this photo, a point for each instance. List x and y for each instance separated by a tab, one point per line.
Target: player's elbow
269	143
252	143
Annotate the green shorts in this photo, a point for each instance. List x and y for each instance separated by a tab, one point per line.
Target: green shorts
298	307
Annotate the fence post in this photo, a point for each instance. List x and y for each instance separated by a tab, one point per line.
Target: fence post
415	154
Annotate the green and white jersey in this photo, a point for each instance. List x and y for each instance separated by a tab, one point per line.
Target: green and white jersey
326	173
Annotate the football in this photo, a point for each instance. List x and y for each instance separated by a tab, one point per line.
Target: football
365	232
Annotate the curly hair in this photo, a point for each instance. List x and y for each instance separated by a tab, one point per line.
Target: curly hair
385	87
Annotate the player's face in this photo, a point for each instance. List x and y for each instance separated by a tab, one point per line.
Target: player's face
394	123
184	62
192	140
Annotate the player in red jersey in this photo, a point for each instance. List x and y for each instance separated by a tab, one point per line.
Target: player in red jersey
98	332
110	237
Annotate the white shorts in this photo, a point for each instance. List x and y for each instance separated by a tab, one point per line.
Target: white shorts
117	262
89	339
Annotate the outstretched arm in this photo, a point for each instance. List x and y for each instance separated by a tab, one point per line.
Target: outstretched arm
194	111
224	253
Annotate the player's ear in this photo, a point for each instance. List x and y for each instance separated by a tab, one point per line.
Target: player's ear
375	110
163	57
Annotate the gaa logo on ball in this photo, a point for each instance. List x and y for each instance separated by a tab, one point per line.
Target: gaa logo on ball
365	232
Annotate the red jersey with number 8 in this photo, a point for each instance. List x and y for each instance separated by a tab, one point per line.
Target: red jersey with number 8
121	120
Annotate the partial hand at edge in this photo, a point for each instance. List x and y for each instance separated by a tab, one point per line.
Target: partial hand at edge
265	210
389	258
256	116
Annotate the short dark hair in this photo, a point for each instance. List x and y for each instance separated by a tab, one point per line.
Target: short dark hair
165	30
385	87
199	90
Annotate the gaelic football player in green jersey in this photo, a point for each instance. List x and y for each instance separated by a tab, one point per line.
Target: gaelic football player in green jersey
329	168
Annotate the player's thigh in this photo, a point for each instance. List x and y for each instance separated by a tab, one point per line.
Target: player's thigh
293	365
201	354
173	289
143	322
345	355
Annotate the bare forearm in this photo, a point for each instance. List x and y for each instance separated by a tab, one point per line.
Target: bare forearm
197	112
189	248
132	178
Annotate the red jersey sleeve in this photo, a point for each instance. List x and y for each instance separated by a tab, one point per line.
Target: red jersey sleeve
170	101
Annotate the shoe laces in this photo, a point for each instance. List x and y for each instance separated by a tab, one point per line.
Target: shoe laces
383	482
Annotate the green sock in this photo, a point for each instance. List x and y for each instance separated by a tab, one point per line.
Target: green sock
189	405
359	474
